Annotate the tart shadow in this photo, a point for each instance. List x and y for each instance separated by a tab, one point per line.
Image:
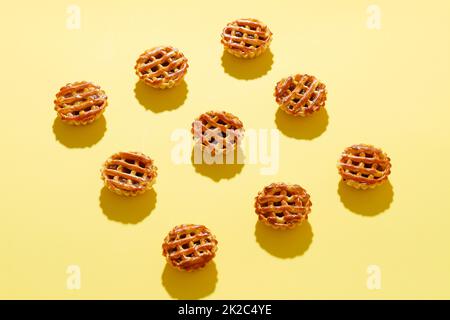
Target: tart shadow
218	171
306	128
190	285
79	136
284	243
127	210
247	69
370	202
160	100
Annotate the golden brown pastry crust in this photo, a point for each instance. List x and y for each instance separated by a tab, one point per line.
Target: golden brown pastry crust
161	67
189	247
363	166
129	173
282	206
300	95
218	130
246	38
80	103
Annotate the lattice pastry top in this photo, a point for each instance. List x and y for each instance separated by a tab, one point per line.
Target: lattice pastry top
129	173
363	166
300	95
246	38
219	131
282	206
189	247
162	67
80	103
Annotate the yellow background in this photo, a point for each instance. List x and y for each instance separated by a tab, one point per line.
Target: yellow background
387	87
